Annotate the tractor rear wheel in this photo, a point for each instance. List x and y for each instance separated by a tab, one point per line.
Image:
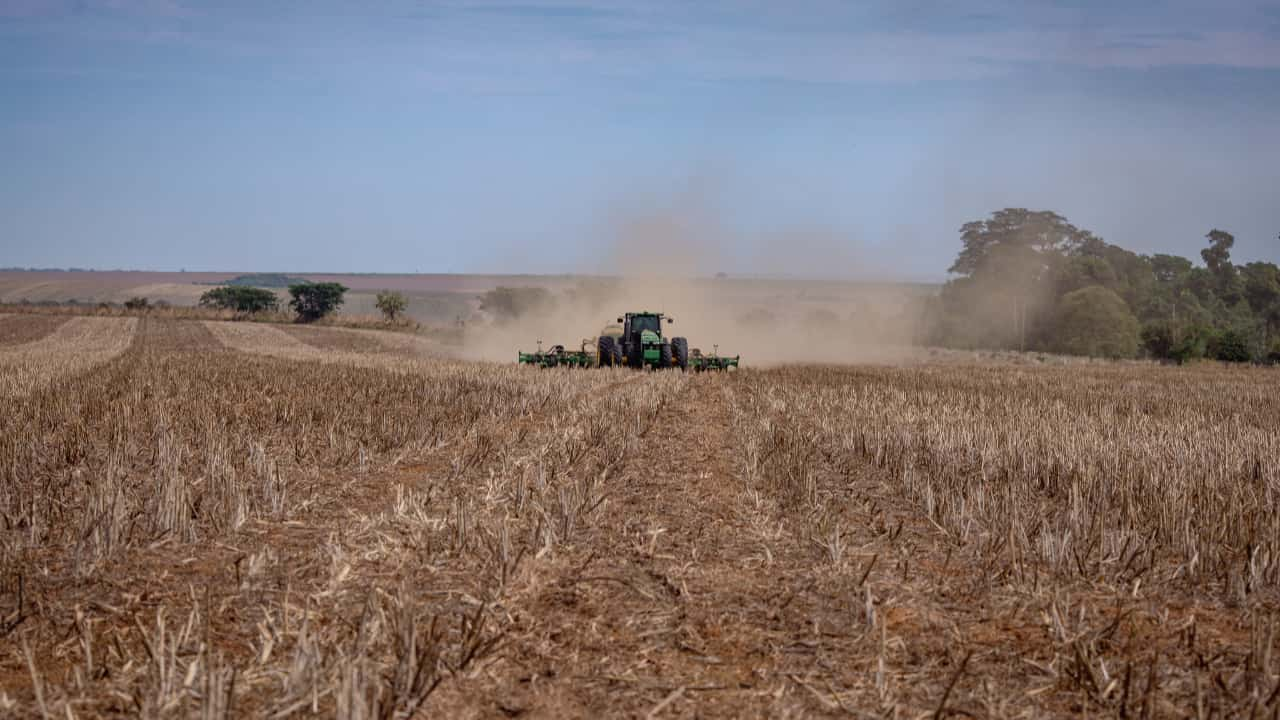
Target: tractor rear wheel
680	348
664	356
608	352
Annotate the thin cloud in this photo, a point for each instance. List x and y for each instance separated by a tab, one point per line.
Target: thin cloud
551	44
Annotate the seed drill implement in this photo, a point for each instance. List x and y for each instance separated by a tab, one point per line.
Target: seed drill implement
636	341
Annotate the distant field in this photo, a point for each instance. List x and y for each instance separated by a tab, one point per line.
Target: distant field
91	286
434	298
445	300
247	520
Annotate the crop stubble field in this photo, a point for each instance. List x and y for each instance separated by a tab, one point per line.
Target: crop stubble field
221	520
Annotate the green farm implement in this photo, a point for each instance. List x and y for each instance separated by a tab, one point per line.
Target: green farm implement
557	356
636	341
715	361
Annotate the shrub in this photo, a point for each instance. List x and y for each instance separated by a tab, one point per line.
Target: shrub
312	301
1193	345
240	299
1159	340
1230	346
1095	321
137	303
392	304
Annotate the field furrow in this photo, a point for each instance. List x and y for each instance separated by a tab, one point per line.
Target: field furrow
74	346
22	329
350	340
364	348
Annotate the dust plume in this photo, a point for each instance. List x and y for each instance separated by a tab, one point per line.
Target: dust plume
666	257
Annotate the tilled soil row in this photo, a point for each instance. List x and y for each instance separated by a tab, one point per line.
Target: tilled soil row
21	329
683	599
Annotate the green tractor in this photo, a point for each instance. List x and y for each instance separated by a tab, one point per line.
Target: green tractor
637	342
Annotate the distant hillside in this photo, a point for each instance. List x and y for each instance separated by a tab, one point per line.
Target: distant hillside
263	280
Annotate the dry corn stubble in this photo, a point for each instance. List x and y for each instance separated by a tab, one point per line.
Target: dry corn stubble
22	329
167	448
288	530
1068	525
364	348
71	347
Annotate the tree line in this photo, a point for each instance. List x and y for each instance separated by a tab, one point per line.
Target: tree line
1030	280
308	300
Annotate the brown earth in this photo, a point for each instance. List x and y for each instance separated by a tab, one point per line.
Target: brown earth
604	543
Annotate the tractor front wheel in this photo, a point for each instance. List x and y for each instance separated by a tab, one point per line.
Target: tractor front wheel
680	349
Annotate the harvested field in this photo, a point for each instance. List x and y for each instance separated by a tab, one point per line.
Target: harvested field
360	347
349	340
166	335
262	339
335	339
72	347
21	329
300	526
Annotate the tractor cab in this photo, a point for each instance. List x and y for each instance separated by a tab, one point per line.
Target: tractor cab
642	342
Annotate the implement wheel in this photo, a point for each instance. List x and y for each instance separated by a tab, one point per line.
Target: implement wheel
680	349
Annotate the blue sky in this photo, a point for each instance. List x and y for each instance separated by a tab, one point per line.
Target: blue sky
825	138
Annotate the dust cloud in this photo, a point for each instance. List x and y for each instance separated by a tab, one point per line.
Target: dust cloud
665	258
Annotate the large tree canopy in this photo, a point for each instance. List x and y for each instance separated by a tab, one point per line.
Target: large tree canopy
240	298
1096	321
1029	279
312	301
1030	236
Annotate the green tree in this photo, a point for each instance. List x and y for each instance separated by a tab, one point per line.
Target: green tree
1096	321
1193	343
1170	269
1085	270
1159	338
1007	267
1230	346
1133	276
1262	291
1035	234
1218	255
1018	268
240	298
1217	258
392	304
312	301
